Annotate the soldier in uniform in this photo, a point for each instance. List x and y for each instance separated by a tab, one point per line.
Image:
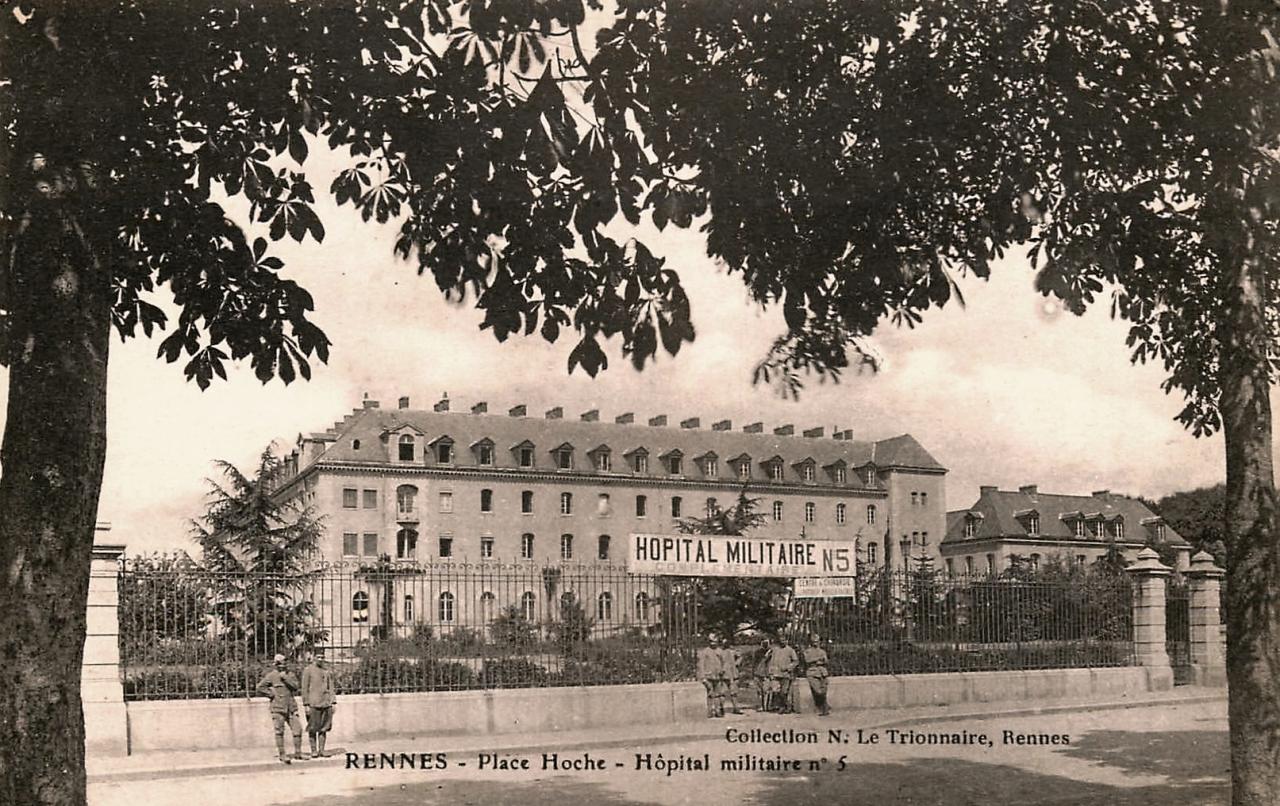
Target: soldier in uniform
319	698
711	673
280	686
761	673
729	660
782	668
815	671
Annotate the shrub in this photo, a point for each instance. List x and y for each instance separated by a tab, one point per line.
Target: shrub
513	673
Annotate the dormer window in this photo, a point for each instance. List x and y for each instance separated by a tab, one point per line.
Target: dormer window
483	450
869	474
1100	529
602	459
1160	532
1117	529
838	473
710	465
524	454
674	462
774	468
1033	524
1079	529
744	469
970	528
564	457
406	448
443	448
639	459
807	470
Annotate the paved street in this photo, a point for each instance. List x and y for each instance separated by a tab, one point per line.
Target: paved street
1170	755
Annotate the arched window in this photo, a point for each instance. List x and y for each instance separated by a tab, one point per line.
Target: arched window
840	514
566	503
406	448
408	608
604	606
406	499
566	547
642	607
446	607
360	608
603	507
355	444
529	605
871	513
487	603
406	544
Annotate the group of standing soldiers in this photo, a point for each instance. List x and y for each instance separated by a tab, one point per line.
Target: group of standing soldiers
318	697
775	669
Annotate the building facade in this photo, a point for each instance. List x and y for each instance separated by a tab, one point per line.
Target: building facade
1038	526
439	487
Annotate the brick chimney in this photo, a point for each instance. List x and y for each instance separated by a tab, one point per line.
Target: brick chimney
443	405
722	425
404	402
480	408
1028	489
785	430
625	419
518	411
815	433
988	488
555	414
592	416
369	404
1103	494
692	422
659	421
753	428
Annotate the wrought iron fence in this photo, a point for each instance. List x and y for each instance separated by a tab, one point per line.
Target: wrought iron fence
389	627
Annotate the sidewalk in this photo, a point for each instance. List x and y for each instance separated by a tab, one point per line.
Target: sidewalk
153	766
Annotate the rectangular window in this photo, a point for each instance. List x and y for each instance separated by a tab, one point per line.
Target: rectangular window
370	499
807	472
1118	529
677	505
744	470
349	497
564	460
566	503
486	455
915	496
840	475
1033	527
968	565
1079	528
446	547
444	453
566	547
871	554
350	544
446	502
642	506
924	538
603	463
924	499
673	465
950	569
602	547
775	471
809	511
486	500
526	501
991	563
526	546
486	547
526	457
642	463
713	509
840	514
777	511
370	544
711	467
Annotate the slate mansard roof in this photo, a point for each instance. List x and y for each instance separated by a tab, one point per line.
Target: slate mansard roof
1005	514
376	431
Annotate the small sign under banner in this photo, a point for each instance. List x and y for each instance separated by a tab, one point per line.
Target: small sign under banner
824	587
734	556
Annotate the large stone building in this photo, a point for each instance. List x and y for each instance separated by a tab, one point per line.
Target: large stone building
425	485
1025	522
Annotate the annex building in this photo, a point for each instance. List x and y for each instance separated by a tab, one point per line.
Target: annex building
1028	523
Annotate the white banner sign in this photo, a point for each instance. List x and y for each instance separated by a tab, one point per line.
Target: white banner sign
730	556
824	587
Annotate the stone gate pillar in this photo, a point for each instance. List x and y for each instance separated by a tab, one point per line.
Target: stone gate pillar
1149	576
106	727
1208	662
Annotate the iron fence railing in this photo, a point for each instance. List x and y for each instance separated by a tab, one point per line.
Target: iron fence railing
389	626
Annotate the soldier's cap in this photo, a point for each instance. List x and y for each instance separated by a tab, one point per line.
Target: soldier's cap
279	658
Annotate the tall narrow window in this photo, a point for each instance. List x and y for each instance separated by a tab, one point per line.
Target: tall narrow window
841	476
602	547
566	503
915	496
775	471
488	602
406	544
486	455
564	459
486	500
924	499
806	472
642	607
951	571
526	546
446	502
710	467
642	506
529	605
408	608
406	448
603	462
810	511
673	465
713	509
604	507
526	501
970	528
871	513
677	506
486	547
446	607
406	499
871	553
604	606
1117	528
526	457
744	470
968	565
566	547
840	514
444	452
991	563
446	547
1033	524
777	511
642	463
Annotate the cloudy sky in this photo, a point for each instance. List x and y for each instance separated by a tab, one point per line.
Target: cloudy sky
1004	391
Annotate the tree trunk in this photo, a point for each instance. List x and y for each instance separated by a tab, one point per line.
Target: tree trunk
52	456
1253	573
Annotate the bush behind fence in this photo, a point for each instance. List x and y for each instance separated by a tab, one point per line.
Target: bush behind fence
190	633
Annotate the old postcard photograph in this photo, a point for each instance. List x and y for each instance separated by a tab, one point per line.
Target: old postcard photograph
638	402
